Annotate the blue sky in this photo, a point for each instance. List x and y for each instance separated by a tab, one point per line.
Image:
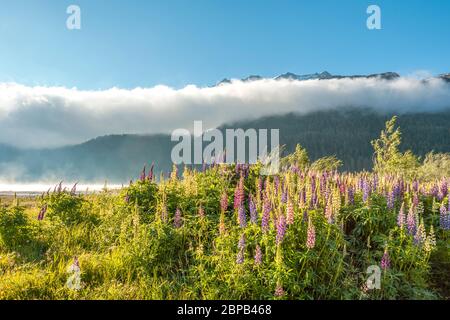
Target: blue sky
144	43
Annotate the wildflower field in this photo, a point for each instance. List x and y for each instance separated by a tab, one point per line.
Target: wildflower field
227	232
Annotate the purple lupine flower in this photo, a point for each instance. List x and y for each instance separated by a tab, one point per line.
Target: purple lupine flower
313	183
258	255
444	188
252	209
375	183
311	235
42	212
313	203
305	216
241	244
444	218
360	183
448	204
266	214
143	175
240	257
281	228
385	260
396	190
442	215
323	183
290	213
434	191
391	200
241	248
284	196
411	221
415	185
177	219
224	202
150	173
401	216
241	217
415	200
73	191
366	190
239	194
351	195
294	169
279	292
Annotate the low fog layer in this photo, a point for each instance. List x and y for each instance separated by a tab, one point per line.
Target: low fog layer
55	116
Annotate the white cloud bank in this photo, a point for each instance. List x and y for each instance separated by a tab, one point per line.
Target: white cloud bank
54	116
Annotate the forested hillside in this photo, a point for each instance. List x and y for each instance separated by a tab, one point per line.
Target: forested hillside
345	133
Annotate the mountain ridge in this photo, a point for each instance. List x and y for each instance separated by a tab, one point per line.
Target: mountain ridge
324	75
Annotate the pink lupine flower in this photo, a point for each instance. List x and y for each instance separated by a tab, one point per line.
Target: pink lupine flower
290	213
329	212
385	260
281	228
258	255
279	292
411	221
177	219
311	236
224	202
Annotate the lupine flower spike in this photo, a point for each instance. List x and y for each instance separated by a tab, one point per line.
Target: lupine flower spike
279	291
401	216
177	219
311	235
42	212
241	248
281	228
385	260
290	213
258	256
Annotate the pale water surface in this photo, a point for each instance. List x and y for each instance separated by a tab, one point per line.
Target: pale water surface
30	189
